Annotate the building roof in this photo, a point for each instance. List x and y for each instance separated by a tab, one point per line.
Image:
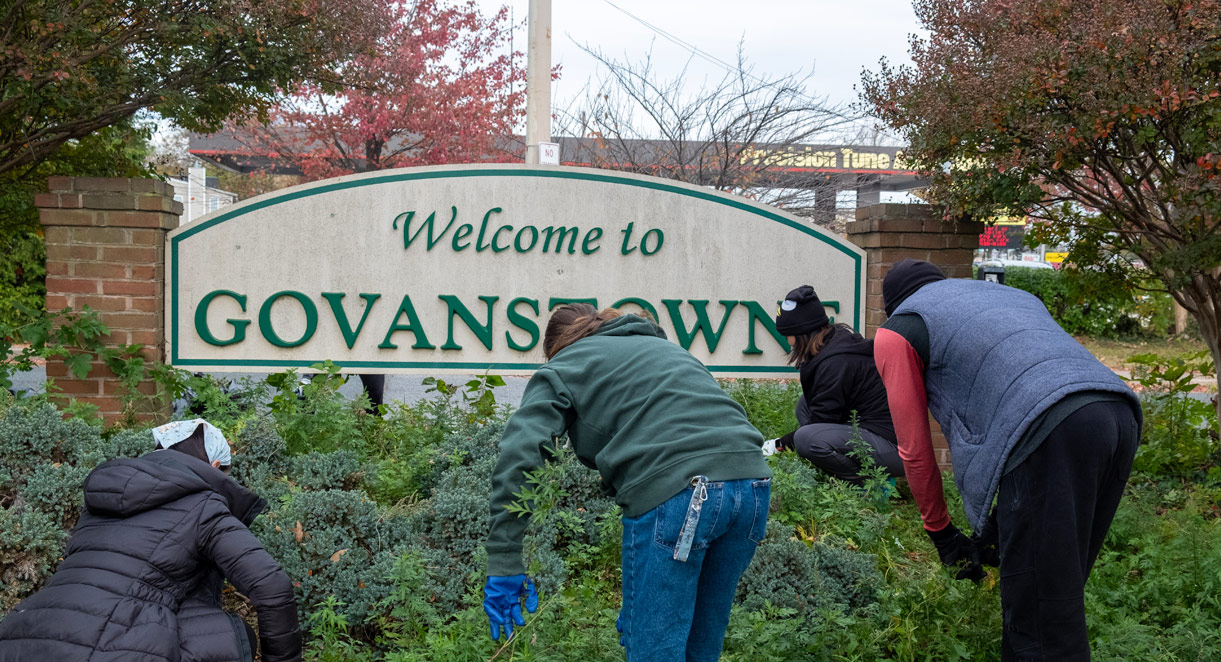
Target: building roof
791	166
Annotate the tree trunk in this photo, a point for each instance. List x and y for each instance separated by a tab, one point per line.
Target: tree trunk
1180	319
1202	298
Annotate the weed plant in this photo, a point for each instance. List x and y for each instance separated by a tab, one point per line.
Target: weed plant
770	405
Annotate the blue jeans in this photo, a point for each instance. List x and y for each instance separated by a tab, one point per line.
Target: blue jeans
678	610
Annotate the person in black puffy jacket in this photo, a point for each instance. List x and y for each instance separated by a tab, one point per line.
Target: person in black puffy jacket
838	377
141	578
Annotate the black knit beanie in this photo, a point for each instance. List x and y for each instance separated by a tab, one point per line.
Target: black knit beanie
800	313
904	279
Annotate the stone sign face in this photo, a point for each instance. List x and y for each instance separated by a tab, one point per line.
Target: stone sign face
456	269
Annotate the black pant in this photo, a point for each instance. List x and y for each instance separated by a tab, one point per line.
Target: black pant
375	386
1053	512
826	446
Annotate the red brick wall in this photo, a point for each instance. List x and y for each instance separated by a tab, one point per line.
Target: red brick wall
891	233
106	249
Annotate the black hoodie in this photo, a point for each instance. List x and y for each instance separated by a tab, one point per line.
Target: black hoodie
154	531
841	378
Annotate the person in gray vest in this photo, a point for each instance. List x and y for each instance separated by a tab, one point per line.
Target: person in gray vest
1032	420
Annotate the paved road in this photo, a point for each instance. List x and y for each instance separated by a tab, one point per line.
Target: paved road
403	388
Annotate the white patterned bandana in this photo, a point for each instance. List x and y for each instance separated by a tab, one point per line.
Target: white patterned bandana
214	442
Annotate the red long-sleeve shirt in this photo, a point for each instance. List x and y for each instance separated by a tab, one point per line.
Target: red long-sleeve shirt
902	373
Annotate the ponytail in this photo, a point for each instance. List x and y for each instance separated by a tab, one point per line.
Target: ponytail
571	323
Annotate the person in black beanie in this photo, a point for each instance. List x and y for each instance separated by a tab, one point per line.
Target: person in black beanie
838	377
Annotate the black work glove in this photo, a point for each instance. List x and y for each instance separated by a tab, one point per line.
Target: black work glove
785	443
957	550
987	544
952	546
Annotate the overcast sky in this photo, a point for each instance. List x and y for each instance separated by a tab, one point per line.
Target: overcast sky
835	38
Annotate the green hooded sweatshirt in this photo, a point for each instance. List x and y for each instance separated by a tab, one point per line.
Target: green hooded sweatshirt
641	410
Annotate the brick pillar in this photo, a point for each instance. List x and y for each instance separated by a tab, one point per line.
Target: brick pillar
106	249
890	233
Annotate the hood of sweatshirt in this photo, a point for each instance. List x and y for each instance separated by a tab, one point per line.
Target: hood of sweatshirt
125	487
630	325
842	341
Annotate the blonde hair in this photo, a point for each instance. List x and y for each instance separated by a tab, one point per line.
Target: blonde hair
572	322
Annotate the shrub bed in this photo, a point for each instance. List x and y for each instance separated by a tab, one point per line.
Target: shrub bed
380	523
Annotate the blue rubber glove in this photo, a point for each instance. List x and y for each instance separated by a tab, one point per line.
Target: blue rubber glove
502	602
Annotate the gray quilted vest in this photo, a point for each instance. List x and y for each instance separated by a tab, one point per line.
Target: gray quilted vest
997	360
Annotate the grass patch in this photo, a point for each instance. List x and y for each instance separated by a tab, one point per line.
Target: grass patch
1115	353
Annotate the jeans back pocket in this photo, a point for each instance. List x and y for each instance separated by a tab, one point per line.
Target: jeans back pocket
761	492
672	513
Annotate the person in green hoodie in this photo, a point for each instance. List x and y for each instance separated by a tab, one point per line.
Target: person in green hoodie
677	454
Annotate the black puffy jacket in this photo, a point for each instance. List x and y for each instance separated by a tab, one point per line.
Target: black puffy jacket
140	581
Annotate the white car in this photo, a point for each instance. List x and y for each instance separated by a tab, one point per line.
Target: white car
1013	264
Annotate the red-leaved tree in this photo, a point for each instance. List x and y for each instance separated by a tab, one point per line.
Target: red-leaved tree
441	87
1101	117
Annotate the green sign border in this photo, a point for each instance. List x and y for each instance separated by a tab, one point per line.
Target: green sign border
549	173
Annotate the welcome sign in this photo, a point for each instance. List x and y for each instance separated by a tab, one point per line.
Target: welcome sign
456	269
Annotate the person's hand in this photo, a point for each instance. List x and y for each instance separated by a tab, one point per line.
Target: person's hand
502	603
773	446
957	550
952	546
972	571
987	543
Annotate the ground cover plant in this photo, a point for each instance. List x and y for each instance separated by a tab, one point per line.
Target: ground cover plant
379	521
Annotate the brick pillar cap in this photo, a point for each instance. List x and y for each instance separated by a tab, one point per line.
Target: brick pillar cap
108	185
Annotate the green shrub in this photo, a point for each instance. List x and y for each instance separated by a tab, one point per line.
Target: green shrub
37	433
333	543
30	545
809	587
22	273
1155	592
319	419
574	527
841	575
1180	435
450	526
223	402
260	458
44	460
1082	307
125	443
404	449
770	404
56	490
337	470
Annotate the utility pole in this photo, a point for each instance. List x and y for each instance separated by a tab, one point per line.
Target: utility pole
538	79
